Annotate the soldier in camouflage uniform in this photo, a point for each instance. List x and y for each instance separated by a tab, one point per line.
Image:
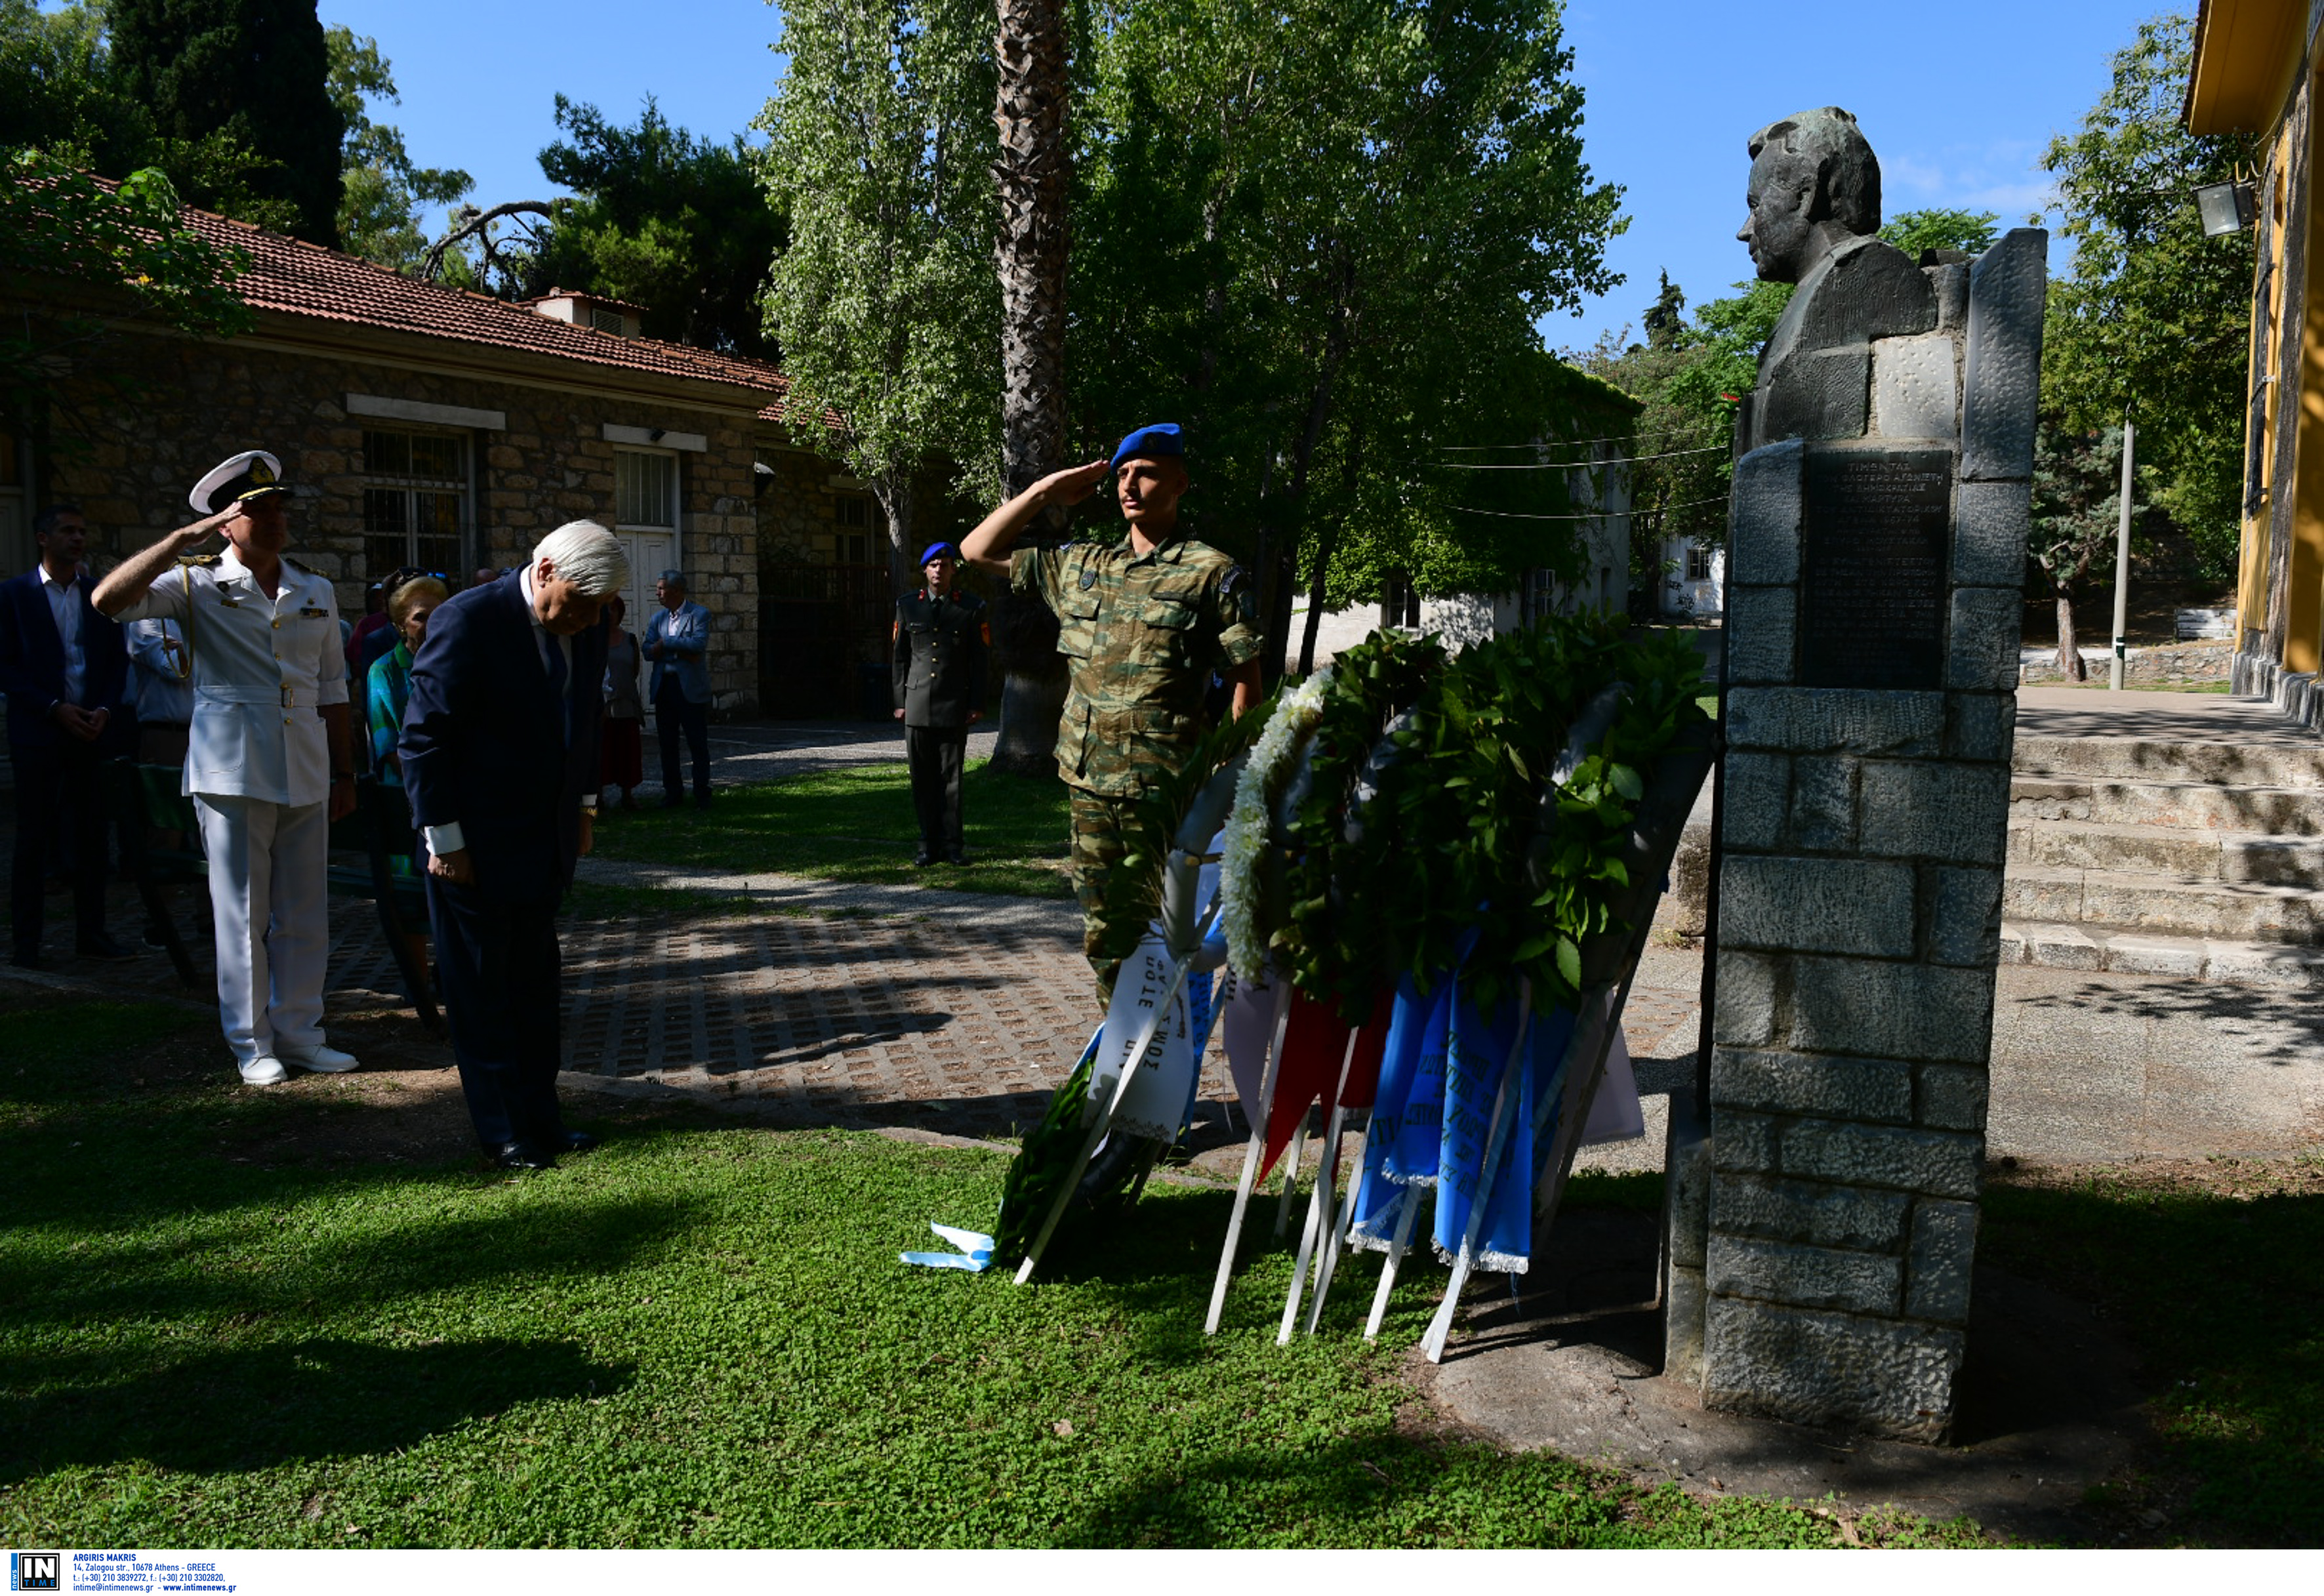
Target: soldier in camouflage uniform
1143	623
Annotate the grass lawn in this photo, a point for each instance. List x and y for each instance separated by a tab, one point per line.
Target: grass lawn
2210	1266
223	1333
856	825
240	1318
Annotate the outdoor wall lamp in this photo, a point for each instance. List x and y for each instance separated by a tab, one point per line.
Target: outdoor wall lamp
2226	208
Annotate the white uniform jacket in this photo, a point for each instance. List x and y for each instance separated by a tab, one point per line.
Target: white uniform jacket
262	669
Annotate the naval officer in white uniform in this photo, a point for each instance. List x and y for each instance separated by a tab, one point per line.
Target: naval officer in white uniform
269	764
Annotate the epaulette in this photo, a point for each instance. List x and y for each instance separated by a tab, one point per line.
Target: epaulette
200	559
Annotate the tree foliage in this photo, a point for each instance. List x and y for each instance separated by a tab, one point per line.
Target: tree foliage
1320	235
2152	319
881	143
675	223
127	245
2077	509
241	102
381	191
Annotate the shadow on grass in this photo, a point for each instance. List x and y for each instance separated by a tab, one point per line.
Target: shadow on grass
208	1275
248	1408
2221	1294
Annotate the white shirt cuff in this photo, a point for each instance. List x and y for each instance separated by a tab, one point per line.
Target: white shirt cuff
444	839
589	803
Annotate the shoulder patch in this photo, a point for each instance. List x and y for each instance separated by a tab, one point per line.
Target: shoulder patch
1234	581
1089	577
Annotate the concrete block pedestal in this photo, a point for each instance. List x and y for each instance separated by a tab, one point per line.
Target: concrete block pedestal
1823	1202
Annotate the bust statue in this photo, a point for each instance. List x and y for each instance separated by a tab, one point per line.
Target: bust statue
1814	184
1814	201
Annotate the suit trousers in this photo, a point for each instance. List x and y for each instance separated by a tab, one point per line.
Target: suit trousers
498	964
270	905
672	714
56	797
936	754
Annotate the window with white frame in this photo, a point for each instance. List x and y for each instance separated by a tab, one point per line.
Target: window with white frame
645	490
415	501
1698	563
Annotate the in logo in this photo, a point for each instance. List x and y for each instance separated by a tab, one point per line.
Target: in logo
35	1570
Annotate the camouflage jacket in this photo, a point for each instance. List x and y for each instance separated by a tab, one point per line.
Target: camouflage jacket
1141	634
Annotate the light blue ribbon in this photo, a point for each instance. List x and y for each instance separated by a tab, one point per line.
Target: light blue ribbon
975	1252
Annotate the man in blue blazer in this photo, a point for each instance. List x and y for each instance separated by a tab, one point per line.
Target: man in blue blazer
678	642
65	669
500	759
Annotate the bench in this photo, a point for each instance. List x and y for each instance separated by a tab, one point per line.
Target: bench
141	798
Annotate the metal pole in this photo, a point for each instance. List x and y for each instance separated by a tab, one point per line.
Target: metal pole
2122	566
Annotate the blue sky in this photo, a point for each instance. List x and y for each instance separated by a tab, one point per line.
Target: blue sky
1959	98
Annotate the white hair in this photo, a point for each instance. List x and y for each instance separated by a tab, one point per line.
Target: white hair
585	554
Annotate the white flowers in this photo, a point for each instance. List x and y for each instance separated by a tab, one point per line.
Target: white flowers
1271	759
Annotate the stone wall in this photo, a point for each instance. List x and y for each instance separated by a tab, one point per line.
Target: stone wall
2182	664
550	463
1822	1234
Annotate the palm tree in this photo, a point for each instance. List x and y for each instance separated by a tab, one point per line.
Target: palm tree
1029	257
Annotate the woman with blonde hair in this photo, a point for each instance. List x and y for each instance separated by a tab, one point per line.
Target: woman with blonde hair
390	683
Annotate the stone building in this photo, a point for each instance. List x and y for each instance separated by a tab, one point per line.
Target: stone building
434	427
2256	67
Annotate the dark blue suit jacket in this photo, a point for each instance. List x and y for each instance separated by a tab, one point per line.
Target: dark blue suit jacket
32	664
486	743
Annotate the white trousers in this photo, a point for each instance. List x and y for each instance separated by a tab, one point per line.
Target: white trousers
269	903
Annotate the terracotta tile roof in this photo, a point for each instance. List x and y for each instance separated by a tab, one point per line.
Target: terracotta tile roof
290	277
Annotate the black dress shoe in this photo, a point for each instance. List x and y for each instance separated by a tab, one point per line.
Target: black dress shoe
923	859
102	946
518	1155
957	856
578	1141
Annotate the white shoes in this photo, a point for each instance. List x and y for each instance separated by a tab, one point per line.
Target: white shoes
323	1060
263	1071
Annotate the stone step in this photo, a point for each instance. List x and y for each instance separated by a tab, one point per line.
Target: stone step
2144	953
2197	806
2190	855
2244	911
2150	759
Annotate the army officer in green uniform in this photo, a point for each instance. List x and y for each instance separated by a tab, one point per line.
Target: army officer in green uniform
939	643
1143	622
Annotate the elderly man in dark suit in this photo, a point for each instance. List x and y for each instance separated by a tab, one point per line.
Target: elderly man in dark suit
499	753
65	669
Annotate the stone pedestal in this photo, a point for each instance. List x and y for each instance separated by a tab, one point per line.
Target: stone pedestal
1823	1227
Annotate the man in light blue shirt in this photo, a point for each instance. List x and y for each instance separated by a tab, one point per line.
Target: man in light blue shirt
678	642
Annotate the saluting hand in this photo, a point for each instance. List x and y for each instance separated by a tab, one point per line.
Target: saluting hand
1074	484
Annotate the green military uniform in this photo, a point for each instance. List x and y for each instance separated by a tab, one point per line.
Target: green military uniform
1141	634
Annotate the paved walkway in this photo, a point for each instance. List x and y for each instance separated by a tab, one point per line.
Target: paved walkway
859	1005
2187	717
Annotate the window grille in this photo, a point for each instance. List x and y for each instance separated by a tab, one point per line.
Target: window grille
645	490
415	501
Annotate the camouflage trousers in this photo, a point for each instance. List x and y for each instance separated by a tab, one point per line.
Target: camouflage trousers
1100	837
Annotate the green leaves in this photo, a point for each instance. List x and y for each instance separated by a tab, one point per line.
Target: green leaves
1455	847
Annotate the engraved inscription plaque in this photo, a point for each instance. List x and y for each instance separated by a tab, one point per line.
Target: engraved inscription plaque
1872	568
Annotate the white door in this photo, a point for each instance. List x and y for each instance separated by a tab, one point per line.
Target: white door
651	554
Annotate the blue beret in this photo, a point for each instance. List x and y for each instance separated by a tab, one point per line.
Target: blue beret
934	550
1149	443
